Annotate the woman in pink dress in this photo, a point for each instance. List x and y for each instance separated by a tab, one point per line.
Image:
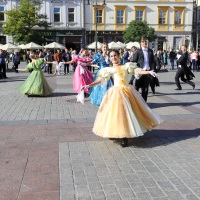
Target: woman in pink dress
82	76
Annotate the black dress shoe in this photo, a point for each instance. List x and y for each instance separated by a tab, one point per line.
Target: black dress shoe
193	85
153	91
124	142
131	83
178	89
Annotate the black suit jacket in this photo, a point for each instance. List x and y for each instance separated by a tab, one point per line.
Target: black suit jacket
138	57
183	60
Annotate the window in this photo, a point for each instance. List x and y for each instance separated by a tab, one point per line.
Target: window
120	16
178	15
99	18
139	15
71	14
56	14
1	13
162	17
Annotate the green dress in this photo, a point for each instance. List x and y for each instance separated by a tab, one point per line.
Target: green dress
36	83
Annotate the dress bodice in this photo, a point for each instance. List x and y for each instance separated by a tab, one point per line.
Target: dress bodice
81	60
36	66
120	73
100	61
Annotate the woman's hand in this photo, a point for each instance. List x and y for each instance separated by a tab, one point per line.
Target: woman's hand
152	73
85	87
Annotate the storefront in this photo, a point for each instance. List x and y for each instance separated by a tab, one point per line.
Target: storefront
104	36
69	38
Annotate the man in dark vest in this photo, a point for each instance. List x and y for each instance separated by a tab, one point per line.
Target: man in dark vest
144	58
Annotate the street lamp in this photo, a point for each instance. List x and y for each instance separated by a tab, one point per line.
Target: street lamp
95	3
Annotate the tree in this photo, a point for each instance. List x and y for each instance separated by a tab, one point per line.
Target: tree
22	20
137	30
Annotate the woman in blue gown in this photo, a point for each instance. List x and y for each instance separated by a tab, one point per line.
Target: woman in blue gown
102	60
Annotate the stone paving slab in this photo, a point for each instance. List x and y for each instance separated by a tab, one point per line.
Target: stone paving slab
62	105
150	168
34	132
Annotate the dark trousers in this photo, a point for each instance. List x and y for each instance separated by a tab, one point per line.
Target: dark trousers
74	66
180	74
16	67
154	82
49	68
132	79
66	66
3	67
143	83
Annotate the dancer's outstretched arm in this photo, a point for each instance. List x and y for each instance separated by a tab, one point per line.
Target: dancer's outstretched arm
96	82
22	70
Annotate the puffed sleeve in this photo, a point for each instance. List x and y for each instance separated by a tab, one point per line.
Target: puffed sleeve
105	74
75	59
29	67
95	59
133	69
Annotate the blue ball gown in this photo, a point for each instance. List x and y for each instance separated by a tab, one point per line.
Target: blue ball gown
97	92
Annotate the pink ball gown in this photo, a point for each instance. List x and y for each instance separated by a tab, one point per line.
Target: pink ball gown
82	76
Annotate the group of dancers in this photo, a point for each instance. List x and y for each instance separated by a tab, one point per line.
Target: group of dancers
123	112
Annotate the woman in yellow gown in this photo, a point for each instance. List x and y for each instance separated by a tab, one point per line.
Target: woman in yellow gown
123	113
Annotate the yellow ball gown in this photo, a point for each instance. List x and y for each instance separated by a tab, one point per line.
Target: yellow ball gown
123	113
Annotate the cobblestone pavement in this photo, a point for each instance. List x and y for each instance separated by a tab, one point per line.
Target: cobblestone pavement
48	151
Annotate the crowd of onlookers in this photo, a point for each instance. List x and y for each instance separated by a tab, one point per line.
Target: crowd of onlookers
165	58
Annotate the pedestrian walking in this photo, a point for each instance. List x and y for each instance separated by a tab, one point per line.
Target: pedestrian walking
172	56
16	61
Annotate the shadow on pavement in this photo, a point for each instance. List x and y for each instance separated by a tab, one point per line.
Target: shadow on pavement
163	137
184	104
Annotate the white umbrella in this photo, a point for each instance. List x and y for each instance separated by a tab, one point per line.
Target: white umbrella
54	45
131	44
9	46
121	44
114	45
21	46
93	45
33	45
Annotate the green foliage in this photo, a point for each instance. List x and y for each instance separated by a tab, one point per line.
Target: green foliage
137	30
21	22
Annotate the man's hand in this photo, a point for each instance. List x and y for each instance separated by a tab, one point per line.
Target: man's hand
153	74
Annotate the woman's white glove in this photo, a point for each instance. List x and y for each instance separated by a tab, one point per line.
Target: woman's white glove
85	87
153	74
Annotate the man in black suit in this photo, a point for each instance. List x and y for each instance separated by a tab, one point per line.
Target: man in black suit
183	70
144	58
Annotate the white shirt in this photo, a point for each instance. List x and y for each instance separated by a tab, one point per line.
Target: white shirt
146	59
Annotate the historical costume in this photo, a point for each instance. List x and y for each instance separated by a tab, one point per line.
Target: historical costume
97	92
123	113
36	83
183	70
82	76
